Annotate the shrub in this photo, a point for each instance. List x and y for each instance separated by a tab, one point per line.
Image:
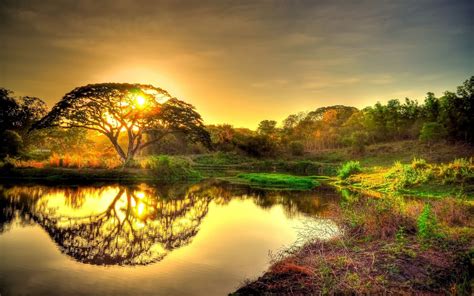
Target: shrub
420	172
220	158
456	171
10	143
258	146
82	161
427	224
375	218
358	141
349	168
432	132
171	168
296	148
418	163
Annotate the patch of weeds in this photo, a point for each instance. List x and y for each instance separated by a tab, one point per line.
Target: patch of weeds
280	180
349	168
428	226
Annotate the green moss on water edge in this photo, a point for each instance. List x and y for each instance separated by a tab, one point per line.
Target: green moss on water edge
271	180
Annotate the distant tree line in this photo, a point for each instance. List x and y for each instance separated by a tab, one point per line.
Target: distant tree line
448	117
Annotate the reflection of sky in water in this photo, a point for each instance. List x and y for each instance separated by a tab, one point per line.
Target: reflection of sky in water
207	237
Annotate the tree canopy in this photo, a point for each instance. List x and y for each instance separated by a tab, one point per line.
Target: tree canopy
134	109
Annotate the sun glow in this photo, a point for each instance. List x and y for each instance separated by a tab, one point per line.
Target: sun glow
140	101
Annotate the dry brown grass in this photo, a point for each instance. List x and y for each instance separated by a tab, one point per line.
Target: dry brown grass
380	253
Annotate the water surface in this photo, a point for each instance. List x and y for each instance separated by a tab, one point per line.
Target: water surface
199	239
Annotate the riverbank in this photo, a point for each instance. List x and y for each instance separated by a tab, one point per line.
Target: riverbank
390	245
408	229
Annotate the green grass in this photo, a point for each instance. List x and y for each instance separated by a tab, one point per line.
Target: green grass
349	168
168	168
280	180
420	178
221	158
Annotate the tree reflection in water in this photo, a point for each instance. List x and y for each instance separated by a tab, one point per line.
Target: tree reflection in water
137	226
132	225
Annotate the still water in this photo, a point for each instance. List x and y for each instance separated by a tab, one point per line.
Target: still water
181	239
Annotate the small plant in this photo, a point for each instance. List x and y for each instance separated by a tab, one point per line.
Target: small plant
349	168
427	224
418	163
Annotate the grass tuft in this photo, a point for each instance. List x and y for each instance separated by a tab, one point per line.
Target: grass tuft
280	180
349	168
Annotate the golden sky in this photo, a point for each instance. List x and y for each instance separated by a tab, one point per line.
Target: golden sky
240	62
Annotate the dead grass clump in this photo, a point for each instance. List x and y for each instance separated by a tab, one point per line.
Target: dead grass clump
288	266
454	212
358	267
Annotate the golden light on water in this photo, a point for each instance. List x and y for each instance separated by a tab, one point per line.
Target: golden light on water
137	225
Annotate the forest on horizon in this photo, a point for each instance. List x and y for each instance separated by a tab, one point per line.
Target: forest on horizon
437	118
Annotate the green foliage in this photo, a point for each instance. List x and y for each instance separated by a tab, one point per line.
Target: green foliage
432	132
221	158
349	168
280	180
420	172
296	148
171	168
267	128
118	101
406	175
258	146
358	141
10	143
456	171
427	224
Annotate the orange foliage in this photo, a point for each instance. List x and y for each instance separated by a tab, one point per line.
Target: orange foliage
29	164
79	161
287	266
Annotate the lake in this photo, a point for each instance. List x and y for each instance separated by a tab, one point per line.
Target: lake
179	239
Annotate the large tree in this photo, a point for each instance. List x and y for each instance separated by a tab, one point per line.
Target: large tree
133	109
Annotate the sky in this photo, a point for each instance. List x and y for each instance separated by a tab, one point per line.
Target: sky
240	62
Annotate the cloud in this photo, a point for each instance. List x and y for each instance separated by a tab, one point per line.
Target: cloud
213	52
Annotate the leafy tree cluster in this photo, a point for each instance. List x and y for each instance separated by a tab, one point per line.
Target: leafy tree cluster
17	115
450	117
136	118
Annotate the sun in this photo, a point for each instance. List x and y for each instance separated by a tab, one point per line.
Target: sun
140	101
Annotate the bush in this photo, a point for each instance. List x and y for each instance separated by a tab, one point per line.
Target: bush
420	172
171	168
374	218
432	132
358	142
221	158
296	148
456	171
427	224
258	146
10	143
349	168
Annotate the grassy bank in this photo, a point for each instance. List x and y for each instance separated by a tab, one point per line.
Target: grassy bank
277	181
157	168
390	245
386	154
418	178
